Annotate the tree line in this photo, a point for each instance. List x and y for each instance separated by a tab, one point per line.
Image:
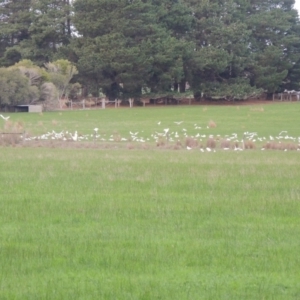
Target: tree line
232	49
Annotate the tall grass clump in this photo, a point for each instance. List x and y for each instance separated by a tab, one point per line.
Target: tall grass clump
11	134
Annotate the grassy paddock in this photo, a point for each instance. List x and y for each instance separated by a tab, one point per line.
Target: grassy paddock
120	224
267	119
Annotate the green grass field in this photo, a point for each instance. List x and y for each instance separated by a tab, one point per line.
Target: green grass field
267	119
151	224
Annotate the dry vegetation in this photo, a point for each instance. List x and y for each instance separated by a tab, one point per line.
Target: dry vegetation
12	134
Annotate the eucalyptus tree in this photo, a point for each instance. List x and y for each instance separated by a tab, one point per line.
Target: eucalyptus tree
15	88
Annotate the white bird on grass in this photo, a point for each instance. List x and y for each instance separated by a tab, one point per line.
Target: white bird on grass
5	118
133	133
238	149
284	131
178	123
75	136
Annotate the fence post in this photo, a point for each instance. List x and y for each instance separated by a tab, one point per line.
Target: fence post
24	136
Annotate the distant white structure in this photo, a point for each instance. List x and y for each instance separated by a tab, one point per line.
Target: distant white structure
29	108
288	95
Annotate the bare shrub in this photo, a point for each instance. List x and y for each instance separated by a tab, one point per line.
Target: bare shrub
130	146
50	96
291	146
12	134
190	142
236	145
19	126
276	146
211	143
10	139
212	124
89	103
179	144
267	145
117	138
8	125
160	142
249	144
225	144
145	146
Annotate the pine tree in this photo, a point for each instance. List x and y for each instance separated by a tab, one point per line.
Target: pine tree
34	30
14	28
274	43
253	41
122	42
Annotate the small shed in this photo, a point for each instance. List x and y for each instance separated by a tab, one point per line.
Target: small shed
29	108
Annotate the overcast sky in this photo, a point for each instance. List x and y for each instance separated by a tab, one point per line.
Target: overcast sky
297	5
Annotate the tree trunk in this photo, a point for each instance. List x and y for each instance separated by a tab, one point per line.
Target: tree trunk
182	86
130	102
269	96
175	86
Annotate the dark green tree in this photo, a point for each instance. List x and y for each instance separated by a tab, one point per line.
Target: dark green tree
274	44
15	21
123	42
50	29
34	30
15	88
221	54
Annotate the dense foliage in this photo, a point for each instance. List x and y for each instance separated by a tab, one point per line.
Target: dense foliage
26	83
231	49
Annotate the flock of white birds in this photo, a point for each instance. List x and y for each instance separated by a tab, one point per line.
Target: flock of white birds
237	143
169	136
